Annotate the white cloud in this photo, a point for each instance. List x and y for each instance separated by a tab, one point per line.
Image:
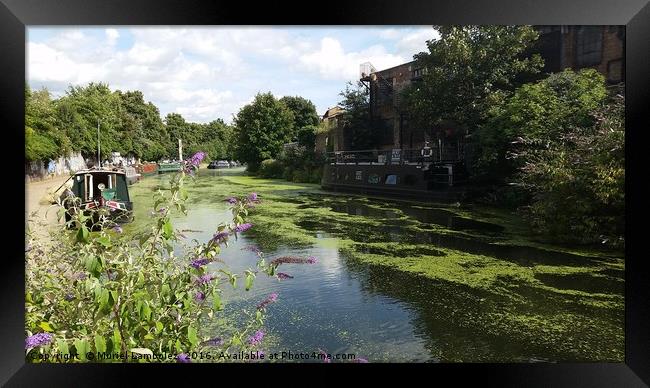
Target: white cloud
415	42
111	36
207	73
333	63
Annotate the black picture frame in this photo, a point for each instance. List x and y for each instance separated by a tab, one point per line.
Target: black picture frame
16	15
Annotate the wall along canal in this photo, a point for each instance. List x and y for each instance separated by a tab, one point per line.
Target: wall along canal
405	281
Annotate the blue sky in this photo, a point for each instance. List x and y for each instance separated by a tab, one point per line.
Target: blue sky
205	73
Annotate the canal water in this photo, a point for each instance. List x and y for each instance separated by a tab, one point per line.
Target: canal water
405	281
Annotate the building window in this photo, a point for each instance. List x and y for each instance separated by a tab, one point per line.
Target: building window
589	45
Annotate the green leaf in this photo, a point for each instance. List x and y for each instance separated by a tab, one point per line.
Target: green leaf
191	336
82	348
82	234
62	345
168	229
249	281
104	240
100	344
46	326
103	299
117	340
159	327
216	301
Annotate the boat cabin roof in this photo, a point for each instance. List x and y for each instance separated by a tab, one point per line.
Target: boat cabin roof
101	171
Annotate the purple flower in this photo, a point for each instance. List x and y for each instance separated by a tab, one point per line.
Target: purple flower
200	296
232	200
204	279
256	338
183	358
112	275
80	276
69	296
270	299
311	260
243	227
284	276
162	210
117	229
197	158
198	263
252	197
38	340
220	237
217	341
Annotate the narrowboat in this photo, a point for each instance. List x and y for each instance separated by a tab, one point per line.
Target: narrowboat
427	174
100	189
132	176
147	169
164	167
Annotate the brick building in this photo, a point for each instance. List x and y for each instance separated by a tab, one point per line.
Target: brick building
386	106
575	47
334	139
578	47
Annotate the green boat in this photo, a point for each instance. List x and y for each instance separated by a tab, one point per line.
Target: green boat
99	189
169	167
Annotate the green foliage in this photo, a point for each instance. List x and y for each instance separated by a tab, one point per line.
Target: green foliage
304	111
577	176
364	133
263	127
307	136
543	110
111	292
127	124
465	68
271	168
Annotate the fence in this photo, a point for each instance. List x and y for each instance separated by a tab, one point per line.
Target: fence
447	152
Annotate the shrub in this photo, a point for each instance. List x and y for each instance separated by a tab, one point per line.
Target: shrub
271	168
109	292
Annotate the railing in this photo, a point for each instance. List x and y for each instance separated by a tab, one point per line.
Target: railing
448	152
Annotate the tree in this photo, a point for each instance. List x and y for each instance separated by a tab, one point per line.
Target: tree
364	133
43	138
467	70
263	126
304	112
576	176
544	110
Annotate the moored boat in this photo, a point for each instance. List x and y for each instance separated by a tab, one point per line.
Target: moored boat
164	167
99	191
415	174
131	175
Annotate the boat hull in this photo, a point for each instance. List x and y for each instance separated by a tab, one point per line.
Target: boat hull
435	183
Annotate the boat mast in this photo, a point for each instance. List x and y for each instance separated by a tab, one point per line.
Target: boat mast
99	158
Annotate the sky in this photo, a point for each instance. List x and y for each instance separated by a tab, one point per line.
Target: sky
205	73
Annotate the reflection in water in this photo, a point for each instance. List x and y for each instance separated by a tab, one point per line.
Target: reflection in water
378	313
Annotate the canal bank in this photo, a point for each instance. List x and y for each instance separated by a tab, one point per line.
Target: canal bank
406	281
